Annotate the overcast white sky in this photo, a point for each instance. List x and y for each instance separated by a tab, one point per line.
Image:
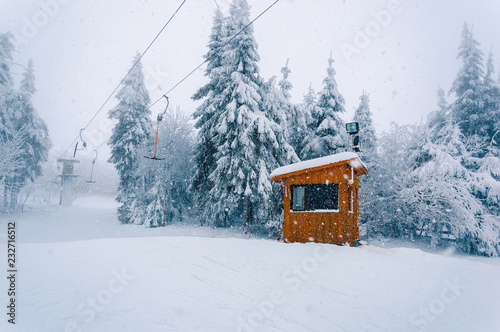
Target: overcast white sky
82	49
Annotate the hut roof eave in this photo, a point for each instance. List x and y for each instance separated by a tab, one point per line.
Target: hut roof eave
312	164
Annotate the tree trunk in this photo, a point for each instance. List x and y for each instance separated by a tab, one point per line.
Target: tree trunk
248	216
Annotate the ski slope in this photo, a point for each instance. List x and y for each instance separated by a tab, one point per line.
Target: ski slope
78	270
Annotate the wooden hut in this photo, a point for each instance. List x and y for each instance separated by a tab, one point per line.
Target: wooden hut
321	199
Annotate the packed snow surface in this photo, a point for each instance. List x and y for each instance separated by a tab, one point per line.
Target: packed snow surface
307	164
79	270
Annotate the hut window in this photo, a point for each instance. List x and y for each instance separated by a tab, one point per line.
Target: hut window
322	197
315	197
298	198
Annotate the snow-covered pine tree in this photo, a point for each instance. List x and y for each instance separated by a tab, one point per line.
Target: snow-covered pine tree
6	87
436	180
11	164
6	82
309	102
488	188
490	116
37	137
387	211
450	155
37	143
278	109
130	134
438	119
276	101
275	105
426	192
169	197
296	124
213	57
478	115
327	133
284	84
249	144
10	156
439	193
441	99
498	79
286	104
489	165
369	184
489	174
209	112
468	107
435	194
305	109
367	137
6	49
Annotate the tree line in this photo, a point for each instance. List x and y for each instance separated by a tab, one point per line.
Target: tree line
24	137
438	182
246	127
435	182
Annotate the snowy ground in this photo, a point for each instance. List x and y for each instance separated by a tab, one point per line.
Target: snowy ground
78	270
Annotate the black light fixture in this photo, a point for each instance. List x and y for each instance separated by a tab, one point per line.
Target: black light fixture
352	129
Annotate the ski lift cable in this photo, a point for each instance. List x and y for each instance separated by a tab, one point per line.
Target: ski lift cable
123	79
138	60
97	148
220	48
198	67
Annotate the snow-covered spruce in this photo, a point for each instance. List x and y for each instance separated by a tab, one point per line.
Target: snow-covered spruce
367	137
468	108
35	136
249	142
23	134
208	114
296	119
9	157
369	183
168	197
6	49
130	135
327	133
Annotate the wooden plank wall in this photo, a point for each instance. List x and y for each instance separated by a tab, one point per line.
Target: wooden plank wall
323	227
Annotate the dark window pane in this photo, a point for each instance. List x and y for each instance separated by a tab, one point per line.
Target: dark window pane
322	197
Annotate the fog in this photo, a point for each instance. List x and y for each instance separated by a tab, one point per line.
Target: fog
398	51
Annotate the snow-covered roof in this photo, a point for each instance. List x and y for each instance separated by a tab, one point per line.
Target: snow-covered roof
303	165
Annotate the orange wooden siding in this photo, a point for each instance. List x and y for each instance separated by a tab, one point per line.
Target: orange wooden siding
324	227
